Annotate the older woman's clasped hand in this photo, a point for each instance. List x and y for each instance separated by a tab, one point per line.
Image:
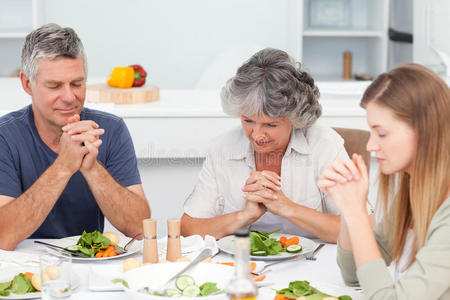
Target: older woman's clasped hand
347	183
264	188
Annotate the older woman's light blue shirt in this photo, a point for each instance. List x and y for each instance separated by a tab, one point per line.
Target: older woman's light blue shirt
231	159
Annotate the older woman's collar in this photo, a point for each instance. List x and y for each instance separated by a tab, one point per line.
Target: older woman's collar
244	151
241	147
298	142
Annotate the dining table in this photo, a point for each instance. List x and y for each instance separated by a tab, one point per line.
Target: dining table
323	271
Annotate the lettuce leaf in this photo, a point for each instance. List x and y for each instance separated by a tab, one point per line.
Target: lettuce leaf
303	288
208	288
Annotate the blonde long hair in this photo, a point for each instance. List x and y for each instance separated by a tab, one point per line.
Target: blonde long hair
420	98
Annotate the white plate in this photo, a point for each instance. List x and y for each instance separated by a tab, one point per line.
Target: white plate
268	293
72	240
7	275
226	244
157	274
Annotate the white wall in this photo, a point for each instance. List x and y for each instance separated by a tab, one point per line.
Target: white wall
431	24
174	40
167	183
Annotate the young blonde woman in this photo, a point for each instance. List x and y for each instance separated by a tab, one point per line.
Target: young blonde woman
408	112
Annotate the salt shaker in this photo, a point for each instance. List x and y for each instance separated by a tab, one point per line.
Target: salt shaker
150	242
173	239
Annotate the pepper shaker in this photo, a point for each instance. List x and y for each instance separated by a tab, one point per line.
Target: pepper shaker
347	65
173	239
150	242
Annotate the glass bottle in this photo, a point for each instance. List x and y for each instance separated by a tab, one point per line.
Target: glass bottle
241	286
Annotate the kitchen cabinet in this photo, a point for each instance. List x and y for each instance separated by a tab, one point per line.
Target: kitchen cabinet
319	47
17	19
324	29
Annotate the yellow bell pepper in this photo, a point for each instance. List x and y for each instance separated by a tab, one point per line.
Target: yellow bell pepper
121	77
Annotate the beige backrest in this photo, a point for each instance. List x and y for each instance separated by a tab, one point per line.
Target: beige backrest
355	141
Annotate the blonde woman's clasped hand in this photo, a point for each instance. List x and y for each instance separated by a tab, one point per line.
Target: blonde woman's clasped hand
347	183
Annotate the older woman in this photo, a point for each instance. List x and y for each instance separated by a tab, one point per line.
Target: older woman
264	173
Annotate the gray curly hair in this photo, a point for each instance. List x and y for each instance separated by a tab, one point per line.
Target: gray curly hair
272	83
50	41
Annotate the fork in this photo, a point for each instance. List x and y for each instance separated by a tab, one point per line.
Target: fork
306	256
265	268
312	255
125	248
51	246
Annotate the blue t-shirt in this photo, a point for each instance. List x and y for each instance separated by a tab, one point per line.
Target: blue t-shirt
24	157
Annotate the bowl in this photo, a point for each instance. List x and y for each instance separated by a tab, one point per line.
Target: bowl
156	275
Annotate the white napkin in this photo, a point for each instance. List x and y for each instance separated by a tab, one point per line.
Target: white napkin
191	246
17	259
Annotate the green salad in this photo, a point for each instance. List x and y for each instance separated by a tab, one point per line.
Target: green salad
90	243
19	285
303	290
262	245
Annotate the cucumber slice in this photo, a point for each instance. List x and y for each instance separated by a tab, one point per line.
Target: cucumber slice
259	253
173	293
183	281
74	247
191	291
294	248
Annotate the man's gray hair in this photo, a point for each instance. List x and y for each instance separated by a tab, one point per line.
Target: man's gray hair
50	41
272	83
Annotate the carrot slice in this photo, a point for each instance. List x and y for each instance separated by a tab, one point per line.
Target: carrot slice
292	241
231	264
109	250
280	297
28	275
260	278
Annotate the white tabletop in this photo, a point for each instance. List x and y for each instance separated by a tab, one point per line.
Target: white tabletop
323	270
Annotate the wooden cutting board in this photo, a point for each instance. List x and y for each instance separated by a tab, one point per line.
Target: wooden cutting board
104	93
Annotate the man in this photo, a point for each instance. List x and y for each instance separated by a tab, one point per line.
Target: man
64	167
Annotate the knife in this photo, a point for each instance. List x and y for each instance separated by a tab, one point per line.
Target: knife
79	254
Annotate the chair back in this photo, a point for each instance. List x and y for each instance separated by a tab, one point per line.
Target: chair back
355	141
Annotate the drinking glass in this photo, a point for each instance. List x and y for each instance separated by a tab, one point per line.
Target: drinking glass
56	268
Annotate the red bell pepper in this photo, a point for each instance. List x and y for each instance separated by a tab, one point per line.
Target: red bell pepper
139	75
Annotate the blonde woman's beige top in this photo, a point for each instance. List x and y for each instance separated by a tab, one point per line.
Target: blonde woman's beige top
427	278
231	159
